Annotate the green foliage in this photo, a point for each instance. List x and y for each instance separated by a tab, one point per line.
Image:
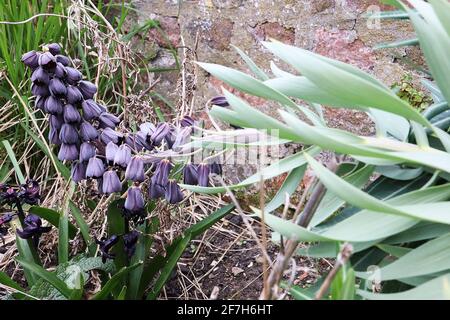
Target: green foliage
407	91
399	224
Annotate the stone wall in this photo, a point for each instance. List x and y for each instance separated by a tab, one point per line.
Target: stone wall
334	28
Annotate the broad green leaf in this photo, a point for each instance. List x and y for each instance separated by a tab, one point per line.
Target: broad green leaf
344	81
431	257
14	162
114	281
253	67
47	276
289	186
436	289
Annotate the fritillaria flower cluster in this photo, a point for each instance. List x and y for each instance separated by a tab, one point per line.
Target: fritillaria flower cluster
15	197
87	136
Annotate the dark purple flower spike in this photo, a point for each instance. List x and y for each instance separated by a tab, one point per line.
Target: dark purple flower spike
29	192
32	228
130	240
105	245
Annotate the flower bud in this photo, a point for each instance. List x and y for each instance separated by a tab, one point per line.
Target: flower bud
57	88
88	132
87	89
31	59
108	120
56	121
155	191
147	128
109	135
71	114
68	134
110	151
60	71
53	106
54	48
123	156
111	182
95	168
190	174
78	172
73	75
29	192
91	110
40	76
220	101
87	151
40	90
173	193
47	61
134	202
68	152
187	121
203	174
215	168
135	170
161	131
162	172
65	61
53	136
73	95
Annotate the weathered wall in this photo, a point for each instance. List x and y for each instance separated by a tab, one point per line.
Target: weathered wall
335	28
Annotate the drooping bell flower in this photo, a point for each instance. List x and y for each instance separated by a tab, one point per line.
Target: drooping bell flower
53	136
173	192
220	101
56	121
95	168
47	61
87	89
68	152
73	76
91	110
54	48
65	61
155	191
215	168
142	141
134	207
88	132
190	174
162	172
123	156
32	228
105	245
57	88
110	151
40	90
60	71
29	192
73	95
130	240
161	131
53	105
111	182
187	121
109	135
147	128
40	76
203	174
31	59
87	151
135	169
71	114
170	138
78	171
39	103
68	134
108	120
